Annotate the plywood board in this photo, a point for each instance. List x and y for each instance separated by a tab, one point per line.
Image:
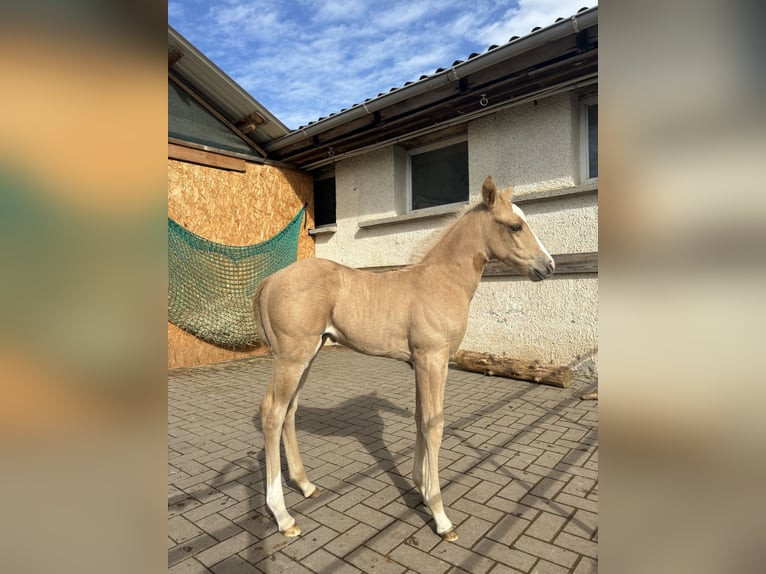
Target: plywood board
235	208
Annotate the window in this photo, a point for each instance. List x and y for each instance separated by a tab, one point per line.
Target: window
438	175
324	201
589	138
190	122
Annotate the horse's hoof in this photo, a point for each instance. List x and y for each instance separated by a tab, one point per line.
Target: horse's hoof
314	494
450	535
293	531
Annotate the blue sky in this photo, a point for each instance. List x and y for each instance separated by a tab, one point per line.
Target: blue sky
305	59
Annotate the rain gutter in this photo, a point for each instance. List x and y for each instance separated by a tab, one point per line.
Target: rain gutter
544	93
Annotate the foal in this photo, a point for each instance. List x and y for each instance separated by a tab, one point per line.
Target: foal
417	314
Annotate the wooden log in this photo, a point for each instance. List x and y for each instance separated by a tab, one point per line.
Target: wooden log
514	369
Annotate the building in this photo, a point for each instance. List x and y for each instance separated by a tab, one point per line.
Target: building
389	172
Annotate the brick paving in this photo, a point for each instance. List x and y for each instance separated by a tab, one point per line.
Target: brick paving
519	473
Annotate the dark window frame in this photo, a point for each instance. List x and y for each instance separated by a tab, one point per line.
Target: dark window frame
431	155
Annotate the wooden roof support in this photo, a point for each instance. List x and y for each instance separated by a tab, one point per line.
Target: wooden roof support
251	122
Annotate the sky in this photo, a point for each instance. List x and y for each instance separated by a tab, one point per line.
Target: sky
306	59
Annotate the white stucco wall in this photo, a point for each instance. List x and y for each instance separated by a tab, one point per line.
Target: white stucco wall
534	147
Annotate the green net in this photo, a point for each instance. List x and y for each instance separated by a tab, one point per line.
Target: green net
211	285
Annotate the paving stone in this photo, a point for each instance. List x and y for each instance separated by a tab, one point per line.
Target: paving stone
553	506
386	540
586	566
237	490
180	529
482	492
505	555
338	521
266	547
414	514
190	547
188	566
369	561
545	567
383	497
418	560
515	490
544	550
369	516
234	565
218	526
583	524
518	469
471	530
548	488
577	544
278	562
503	569
179	504
479	510
225	548
216	505
462	558
546	526
577	502
309	542
508	529
350	540
257	523
204	493
515	508
243	506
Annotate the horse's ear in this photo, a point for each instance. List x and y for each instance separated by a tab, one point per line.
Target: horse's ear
507	194
489	192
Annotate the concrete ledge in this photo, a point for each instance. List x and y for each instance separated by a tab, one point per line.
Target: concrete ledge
454	208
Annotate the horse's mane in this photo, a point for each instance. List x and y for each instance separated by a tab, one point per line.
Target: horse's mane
426	246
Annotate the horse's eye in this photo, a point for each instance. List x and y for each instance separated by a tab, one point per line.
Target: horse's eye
515	228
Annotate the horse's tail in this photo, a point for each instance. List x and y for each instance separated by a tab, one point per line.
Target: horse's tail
258	314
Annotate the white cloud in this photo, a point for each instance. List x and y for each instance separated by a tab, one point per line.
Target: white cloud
529	14
305	59
344	10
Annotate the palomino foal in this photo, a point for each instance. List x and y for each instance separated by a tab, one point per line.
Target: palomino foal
417	314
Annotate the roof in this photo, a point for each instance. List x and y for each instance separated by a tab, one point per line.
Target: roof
561	56
189	66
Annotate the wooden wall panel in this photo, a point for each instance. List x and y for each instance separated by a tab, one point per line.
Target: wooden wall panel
186	350
235	208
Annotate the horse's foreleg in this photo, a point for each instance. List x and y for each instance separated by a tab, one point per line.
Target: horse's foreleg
431	377
294	461
419	460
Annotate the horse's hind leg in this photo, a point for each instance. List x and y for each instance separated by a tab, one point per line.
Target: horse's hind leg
292	452
280	398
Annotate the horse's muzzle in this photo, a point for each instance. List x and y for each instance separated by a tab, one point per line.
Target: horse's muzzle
541	270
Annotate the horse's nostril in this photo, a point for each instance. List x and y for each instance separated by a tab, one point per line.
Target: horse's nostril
551	266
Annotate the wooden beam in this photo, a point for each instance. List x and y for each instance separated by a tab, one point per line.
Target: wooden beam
173	56
251	122
533	371
208	158
566	263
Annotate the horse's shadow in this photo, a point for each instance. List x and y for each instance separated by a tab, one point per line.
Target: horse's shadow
359	418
